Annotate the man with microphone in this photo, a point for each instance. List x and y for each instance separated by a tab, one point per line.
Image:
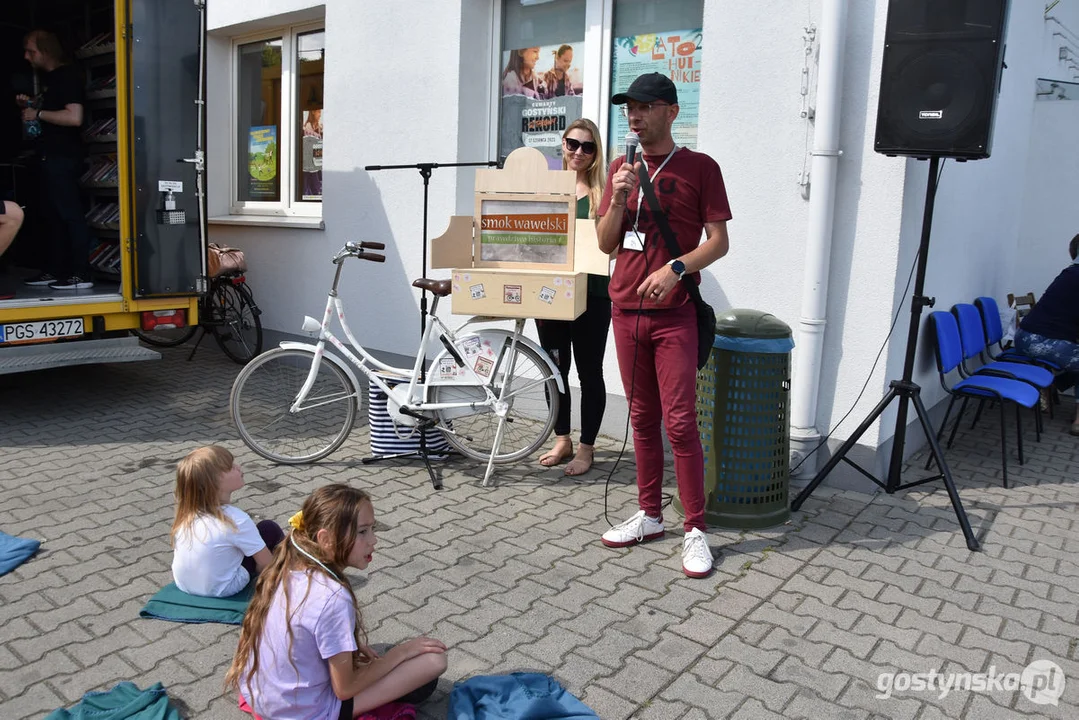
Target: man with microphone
653	317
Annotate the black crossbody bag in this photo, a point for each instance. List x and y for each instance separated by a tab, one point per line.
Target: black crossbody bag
706	316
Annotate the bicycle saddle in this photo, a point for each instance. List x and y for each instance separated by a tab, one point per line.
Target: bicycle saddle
441	288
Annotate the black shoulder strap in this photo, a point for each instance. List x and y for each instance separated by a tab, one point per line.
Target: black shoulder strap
665	230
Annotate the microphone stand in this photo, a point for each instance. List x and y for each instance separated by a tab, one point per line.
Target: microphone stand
425	423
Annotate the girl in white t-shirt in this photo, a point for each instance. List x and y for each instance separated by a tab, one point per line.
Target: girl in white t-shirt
216	546
303	650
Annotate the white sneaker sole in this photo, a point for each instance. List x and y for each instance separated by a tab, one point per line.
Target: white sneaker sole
633	541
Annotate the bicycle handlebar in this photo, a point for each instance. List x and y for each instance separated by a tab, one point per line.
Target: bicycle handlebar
353	249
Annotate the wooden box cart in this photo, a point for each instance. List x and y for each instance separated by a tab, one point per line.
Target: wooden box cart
524	254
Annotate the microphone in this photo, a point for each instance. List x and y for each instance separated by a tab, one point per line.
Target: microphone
632	142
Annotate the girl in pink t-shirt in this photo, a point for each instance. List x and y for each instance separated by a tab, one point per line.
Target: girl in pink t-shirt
303	651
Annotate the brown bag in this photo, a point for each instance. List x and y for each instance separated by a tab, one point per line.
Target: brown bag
223	260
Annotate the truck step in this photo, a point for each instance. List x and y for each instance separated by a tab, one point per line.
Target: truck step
26	358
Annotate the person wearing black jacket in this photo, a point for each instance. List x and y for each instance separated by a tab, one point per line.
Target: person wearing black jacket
1050	330
60	112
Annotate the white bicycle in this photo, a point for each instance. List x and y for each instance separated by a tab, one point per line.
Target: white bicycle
493	393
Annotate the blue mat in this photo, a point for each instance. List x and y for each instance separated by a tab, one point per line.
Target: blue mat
15	551
171	603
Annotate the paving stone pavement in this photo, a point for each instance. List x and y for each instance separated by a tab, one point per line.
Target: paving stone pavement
796	622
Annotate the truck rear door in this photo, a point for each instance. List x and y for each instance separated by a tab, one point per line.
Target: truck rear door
168	116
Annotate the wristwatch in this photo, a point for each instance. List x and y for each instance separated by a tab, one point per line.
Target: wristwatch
678	267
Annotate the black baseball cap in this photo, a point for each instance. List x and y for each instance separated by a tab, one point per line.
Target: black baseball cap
649	88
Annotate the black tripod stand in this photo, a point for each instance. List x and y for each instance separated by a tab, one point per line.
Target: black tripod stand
904	390
424	423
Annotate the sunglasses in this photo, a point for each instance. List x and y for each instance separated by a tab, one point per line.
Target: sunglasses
587	147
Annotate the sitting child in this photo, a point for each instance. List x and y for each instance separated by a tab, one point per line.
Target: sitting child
216	546
303	649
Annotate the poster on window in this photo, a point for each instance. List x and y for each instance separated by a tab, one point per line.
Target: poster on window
541	95
312	156
674	53
262	162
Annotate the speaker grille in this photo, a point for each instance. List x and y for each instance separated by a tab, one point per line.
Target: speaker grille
939	79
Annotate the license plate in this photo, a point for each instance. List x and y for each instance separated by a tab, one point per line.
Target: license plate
40	330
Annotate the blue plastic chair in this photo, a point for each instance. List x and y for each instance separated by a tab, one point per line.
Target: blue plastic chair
949	354
994	335
972	333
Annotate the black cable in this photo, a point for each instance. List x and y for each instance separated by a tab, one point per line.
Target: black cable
876	360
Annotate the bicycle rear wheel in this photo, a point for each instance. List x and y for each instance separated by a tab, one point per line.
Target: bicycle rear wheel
261	402
236	323
533	400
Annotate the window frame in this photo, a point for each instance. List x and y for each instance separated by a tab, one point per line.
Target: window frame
287	206
596	70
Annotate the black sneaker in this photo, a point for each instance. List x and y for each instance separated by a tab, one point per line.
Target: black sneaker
40	280
72	283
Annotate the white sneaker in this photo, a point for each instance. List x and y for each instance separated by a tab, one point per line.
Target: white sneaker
696	557
637	529
72	283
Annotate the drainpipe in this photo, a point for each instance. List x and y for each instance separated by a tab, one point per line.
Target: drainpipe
810	334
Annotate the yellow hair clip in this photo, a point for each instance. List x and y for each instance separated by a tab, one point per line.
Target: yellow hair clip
296	521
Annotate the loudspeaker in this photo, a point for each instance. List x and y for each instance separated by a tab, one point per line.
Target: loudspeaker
940	77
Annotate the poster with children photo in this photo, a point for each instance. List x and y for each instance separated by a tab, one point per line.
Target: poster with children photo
541	95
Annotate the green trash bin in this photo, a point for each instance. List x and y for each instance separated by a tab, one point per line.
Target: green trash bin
743	395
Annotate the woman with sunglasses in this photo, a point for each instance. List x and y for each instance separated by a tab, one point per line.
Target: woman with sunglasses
587	335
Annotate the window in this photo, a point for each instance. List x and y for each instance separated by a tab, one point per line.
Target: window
649	38
544	41
540	75
278	122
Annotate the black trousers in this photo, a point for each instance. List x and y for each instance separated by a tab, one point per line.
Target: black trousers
60	202
588	337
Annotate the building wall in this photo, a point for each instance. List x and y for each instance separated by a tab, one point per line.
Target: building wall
1050	215
386	103
394	104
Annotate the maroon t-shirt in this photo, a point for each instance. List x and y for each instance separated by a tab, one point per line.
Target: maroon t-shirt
691	192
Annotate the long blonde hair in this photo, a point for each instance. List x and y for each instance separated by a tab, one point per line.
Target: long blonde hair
597	171
333	508
196	491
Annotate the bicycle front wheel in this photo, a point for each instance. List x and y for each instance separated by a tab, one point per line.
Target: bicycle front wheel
261	406
533	405
236	323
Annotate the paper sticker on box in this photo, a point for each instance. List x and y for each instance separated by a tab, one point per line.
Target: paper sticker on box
511	294
447	368
484	366
547	294
476	291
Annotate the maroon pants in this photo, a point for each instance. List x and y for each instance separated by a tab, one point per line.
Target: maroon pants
657	357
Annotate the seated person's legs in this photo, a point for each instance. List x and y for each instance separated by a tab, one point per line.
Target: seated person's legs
412	681
11	217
